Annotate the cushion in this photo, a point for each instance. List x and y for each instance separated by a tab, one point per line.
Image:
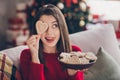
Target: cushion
14	54
7	69
3	76
106	68
91	40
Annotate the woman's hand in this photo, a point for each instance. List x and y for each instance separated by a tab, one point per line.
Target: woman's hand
71	72
33	44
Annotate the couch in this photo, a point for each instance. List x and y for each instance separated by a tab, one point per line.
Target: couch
101	41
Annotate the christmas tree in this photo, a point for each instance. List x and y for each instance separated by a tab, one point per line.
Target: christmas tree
76	12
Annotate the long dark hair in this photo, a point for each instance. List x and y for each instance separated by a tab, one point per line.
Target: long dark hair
63	44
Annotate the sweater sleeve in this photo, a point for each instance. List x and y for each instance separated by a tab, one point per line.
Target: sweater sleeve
30	70
79	74
75	48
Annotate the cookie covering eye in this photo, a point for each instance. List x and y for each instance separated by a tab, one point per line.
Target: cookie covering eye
41	27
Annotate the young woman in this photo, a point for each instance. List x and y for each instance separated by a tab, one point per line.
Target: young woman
40	61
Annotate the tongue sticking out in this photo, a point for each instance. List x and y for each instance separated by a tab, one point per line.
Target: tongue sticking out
41	27
49	39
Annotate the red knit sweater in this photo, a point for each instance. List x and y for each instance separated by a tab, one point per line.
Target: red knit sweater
34	71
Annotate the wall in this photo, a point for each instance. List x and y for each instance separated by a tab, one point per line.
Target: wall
7	10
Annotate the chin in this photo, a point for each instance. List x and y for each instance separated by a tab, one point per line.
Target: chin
51	45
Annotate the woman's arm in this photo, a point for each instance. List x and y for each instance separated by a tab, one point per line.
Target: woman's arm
29	69
78	76
75	74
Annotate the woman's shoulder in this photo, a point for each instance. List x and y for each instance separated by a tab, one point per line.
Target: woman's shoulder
76	48
25	54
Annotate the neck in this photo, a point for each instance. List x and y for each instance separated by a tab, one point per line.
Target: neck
48	49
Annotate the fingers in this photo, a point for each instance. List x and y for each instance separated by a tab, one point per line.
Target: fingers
38	38
33	41
84	70
34	38
71	72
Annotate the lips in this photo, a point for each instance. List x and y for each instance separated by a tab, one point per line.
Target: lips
50	39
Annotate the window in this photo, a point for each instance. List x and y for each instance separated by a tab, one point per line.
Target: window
109	9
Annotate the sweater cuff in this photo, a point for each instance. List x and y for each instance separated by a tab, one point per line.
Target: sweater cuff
37	66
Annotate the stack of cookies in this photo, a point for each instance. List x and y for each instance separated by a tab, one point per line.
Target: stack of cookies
77	59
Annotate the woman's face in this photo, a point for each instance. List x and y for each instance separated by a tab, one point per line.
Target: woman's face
51	36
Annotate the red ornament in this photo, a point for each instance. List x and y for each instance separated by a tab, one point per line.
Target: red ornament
68	3
15	20
75	1
95	16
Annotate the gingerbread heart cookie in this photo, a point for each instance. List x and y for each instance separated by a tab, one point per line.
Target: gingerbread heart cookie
41	27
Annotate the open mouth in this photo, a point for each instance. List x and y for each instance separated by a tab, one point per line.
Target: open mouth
49	39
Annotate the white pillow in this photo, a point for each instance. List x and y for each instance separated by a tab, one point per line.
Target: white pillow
14	54
91	40
105	68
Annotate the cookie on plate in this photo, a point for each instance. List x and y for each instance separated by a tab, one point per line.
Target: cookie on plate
77	60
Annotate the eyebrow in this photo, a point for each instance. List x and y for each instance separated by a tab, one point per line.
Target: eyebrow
54	21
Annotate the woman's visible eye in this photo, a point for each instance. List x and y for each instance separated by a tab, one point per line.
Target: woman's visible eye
55	26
